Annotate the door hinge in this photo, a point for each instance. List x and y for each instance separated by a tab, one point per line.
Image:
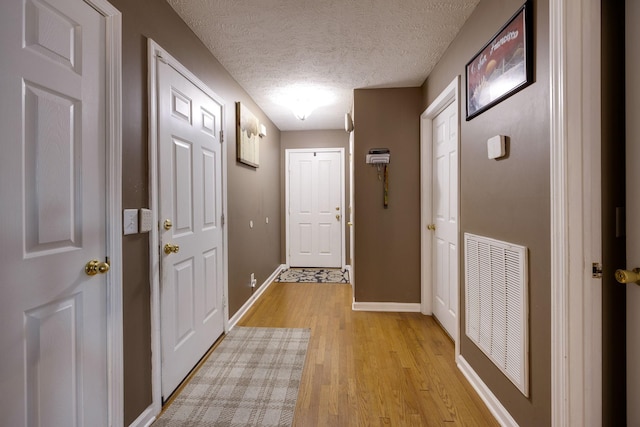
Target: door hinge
222	220
161	58
221	136
596	270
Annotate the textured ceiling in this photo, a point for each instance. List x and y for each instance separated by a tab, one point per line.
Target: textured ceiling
277	48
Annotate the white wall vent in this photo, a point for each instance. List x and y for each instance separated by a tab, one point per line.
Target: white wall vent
496	289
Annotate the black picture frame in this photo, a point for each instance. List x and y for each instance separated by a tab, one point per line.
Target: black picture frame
504	66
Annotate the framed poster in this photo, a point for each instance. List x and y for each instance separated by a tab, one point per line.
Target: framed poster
503	66
247	136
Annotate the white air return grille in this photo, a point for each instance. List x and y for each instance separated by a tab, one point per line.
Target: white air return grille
496	304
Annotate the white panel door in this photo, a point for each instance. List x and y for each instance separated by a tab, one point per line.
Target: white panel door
53	214
632	14
191	248
315	209
445	216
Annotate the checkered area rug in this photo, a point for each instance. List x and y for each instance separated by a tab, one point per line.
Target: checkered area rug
313	275
251	379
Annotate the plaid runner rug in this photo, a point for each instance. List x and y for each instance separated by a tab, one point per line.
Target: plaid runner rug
251	379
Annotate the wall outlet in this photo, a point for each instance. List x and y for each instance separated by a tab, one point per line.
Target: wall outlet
130	221
253	280
146	220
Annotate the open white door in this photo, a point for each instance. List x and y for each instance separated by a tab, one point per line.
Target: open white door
439	142
445	217
58	296
315	217
632	15
191	222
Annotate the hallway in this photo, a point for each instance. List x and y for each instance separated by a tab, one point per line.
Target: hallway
368	368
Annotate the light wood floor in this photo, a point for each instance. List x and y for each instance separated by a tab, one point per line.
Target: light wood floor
369	369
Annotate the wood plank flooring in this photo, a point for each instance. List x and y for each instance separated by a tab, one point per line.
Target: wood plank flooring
369	369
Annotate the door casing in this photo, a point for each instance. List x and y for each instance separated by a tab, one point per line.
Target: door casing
157	53
575	182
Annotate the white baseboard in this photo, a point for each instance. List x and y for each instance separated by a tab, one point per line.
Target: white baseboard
396	307
145	419
493	404
348	269
247	305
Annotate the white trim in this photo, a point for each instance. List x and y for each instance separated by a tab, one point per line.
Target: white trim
113	127
145	419
391	307
576	341
501	414
155	52
247	305
343	237
448	96
352	212
350	271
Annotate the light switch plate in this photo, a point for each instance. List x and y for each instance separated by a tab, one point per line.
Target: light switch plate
130	221
146	220
496	147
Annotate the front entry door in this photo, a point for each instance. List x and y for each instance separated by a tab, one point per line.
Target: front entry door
190	212
315	210
445	216
53	203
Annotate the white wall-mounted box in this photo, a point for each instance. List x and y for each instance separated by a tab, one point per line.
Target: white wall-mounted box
496	147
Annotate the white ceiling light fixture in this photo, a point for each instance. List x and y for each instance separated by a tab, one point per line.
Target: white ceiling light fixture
302	100
302	108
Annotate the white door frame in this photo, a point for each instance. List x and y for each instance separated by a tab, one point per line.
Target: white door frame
113	127
576	329
448	96
352	213
157	53
287	152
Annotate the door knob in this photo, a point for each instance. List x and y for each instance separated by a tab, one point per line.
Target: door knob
338	217
626	276
169	248
94	267
431	227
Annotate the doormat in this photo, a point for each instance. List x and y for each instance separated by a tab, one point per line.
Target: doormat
313	275
251	379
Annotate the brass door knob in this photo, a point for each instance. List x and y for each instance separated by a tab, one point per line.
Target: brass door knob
338	217
431	227
94	267
169	249
626	276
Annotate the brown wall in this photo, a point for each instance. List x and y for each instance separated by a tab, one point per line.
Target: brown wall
387	241
313	139
508	199
252	194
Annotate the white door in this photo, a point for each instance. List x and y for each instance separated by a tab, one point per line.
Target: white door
632	15
190	213
445	217
315	208
53	208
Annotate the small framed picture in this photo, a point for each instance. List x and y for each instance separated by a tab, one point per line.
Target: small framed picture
247	136
503	66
